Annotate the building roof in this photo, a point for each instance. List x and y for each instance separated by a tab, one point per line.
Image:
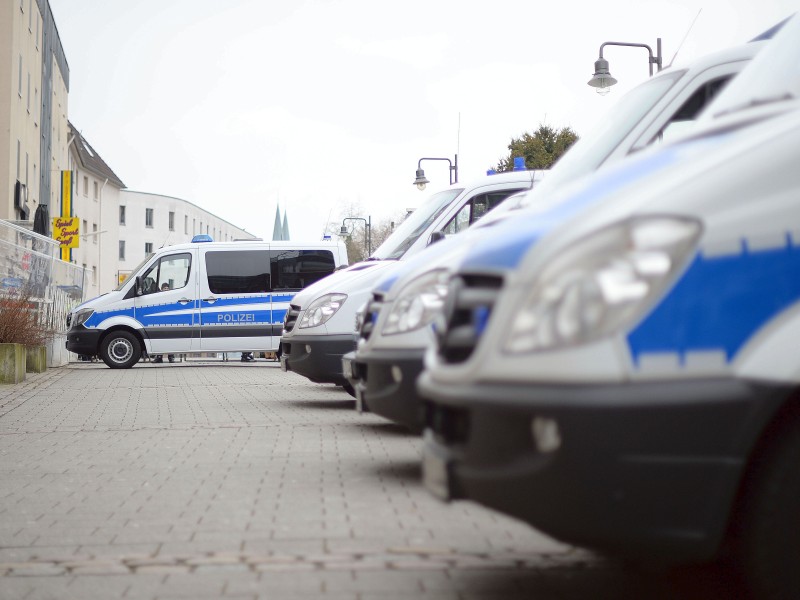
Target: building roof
90	160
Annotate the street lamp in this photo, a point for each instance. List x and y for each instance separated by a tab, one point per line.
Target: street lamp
602	79
368	238
421	181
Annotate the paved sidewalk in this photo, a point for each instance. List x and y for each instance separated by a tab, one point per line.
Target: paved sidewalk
225	480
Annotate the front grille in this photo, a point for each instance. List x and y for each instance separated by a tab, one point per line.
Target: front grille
291	317
371	313
469	304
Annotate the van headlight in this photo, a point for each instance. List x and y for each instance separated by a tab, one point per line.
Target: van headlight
322	309
81	316
418	304
602	283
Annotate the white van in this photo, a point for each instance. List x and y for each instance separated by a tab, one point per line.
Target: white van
625	377
384	369
202	296
320	324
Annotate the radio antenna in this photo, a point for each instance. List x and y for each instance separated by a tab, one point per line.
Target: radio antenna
684	37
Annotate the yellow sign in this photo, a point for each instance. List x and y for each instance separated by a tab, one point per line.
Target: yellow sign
122	276
66	231
66	211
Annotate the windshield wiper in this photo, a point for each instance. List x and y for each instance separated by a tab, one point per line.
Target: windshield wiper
756	102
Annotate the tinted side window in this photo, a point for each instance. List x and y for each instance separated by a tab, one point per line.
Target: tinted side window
238	272
296	269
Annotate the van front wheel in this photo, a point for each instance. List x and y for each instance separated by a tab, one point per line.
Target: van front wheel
120	350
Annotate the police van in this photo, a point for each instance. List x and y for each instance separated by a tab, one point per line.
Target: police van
202	296
320	324
396	331
624	375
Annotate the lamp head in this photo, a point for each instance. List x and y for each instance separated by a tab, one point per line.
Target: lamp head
421	181
602	79
343	231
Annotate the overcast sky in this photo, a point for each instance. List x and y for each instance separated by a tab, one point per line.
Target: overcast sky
318	105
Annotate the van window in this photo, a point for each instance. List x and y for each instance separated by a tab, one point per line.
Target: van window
688	112
172	269
296	269
473	210
238	272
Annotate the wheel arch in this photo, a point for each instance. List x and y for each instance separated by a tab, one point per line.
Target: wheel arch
783	421
123	327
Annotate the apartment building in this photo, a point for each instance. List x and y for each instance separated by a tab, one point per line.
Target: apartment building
95	203
34	86
148	222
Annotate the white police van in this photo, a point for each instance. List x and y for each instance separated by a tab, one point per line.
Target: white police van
624	375
202	296
320	324
395	330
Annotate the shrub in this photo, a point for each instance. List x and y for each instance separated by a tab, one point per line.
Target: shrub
21	320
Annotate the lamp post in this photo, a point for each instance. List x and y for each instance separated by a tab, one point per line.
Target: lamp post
367	238
602	79
421	181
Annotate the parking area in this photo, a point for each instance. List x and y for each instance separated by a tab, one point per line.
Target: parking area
209	479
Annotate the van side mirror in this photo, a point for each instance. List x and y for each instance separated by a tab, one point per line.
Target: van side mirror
137	286
436	236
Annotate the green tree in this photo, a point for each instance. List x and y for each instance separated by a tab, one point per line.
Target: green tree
540	149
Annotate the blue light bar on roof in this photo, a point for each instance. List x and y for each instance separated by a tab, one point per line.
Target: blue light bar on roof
203	237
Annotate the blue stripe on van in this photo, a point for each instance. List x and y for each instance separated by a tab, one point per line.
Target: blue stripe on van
720	303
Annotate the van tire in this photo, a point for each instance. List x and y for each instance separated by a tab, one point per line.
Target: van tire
770	536
120	349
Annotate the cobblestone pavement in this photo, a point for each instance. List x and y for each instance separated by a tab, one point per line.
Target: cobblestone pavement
225	480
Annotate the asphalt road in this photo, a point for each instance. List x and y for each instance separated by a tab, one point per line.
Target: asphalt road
235	480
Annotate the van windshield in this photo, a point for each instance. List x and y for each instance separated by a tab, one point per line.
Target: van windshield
417	223
591	151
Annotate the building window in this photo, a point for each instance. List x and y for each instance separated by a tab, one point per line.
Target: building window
94	274
122	249
19	83
171	221
148	217
186	224
85	182
85	229
194	226
148	248
28	91
94	233
122	215
96	191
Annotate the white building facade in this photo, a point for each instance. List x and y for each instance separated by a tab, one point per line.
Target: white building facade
95	203
147	222
34	86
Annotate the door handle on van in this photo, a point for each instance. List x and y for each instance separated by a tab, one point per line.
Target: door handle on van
184	301
210	300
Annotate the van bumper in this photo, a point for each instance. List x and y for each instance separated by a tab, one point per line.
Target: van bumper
317	357
81	340
386	381
647	470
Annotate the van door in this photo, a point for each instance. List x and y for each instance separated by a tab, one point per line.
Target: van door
168	308
235	299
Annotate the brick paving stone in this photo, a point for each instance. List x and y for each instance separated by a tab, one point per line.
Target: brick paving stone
202	479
